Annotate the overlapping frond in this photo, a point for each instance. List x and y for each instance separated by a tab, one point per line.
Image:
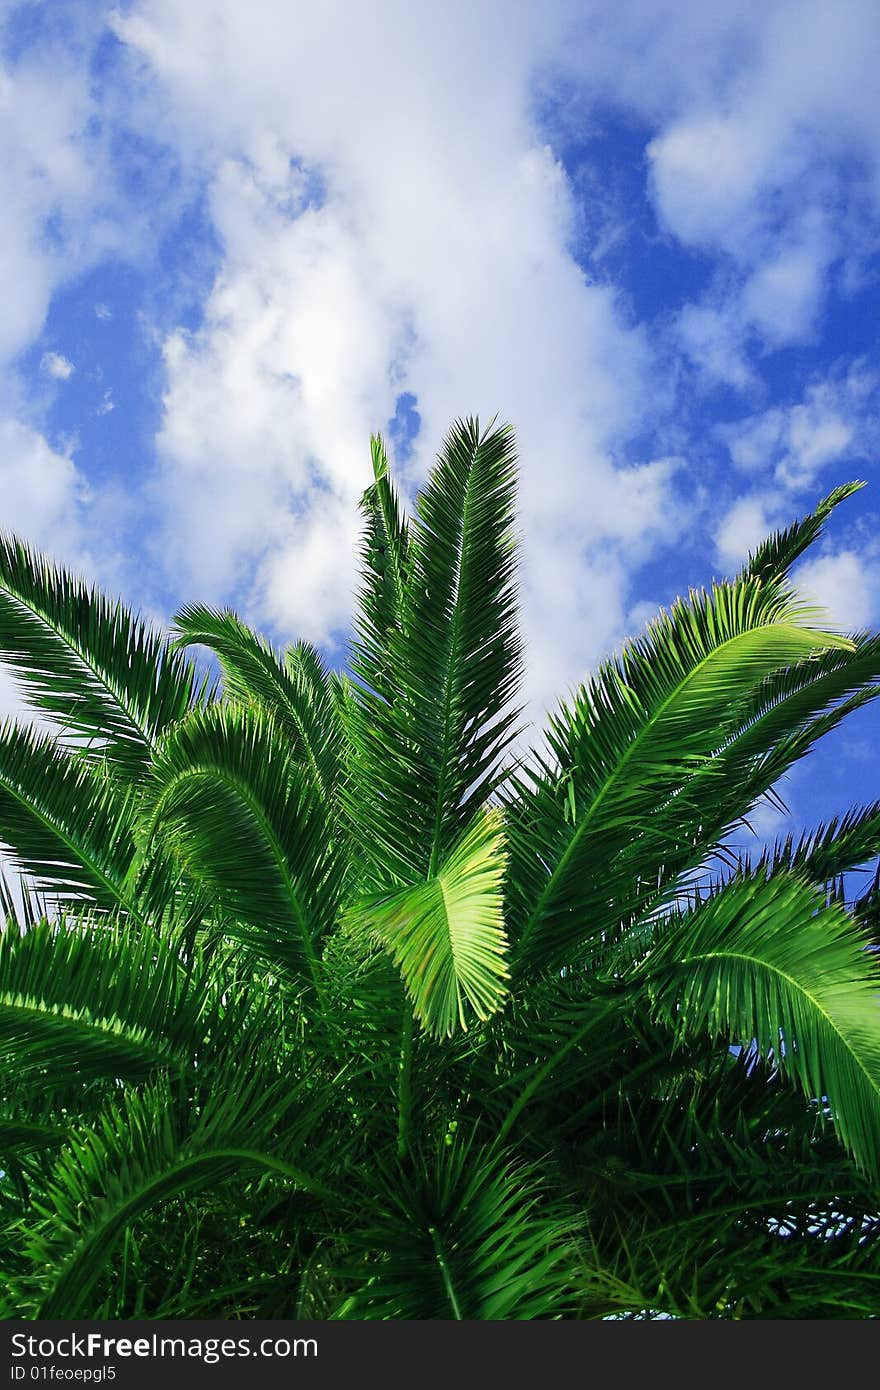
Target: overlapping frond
92	1001
293	689
468	1234
231	801
446	935
109	680
69	827
824	853
153	1145
637	1089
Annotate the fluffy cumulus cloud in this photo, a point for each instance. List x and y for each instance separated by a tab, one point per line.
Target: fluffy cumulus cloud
41	490
56	365
835	422
398	227
774	166
845	584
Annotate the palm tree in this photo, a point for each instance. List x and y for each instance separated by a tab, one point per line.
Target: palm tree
317	1000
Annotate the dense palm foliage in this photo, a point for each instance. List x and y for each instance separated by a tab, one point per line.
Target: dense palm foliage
321	1002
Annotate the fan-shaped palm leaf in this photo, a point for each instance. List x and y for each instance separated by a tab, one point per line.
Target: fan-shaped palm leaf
447	935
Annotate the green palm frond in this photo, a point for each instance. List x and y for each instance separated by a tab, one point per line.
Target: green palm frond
149	1147
293	690
427	746
792	708
109	680
385	562
831	849
69	828
773	559
97	1001
624	759
309	1007
231	801
468	1234
446	935
319	702
765	962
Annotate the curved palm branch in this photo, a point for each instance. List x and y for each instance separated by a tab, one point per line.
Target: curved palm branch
69	827
765	962
94	1001
151	1146
464	1236
103	675
295	690
624	757
426	746
231	801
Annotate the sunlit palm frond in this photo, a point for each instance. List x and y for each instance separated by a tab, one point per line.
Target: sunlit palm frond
446	935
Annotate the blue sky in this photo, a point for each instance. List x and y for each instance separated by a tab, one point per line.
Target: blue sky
237	239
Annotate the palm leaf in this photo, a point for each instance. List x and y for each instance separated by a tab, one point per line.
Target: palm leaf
468	1234
830	849
69	828
764	961
446	935
96	1001
774	557
427	744
232	802
151	1146
791	709
86	661
293	690
624	759
385	568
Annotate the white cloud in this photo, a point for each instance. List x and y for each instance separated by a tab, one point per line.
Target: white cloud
835	423
714	338
54	364
433	262
845	584
50	177
760	110
413	231
743	528
41	490
782	297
